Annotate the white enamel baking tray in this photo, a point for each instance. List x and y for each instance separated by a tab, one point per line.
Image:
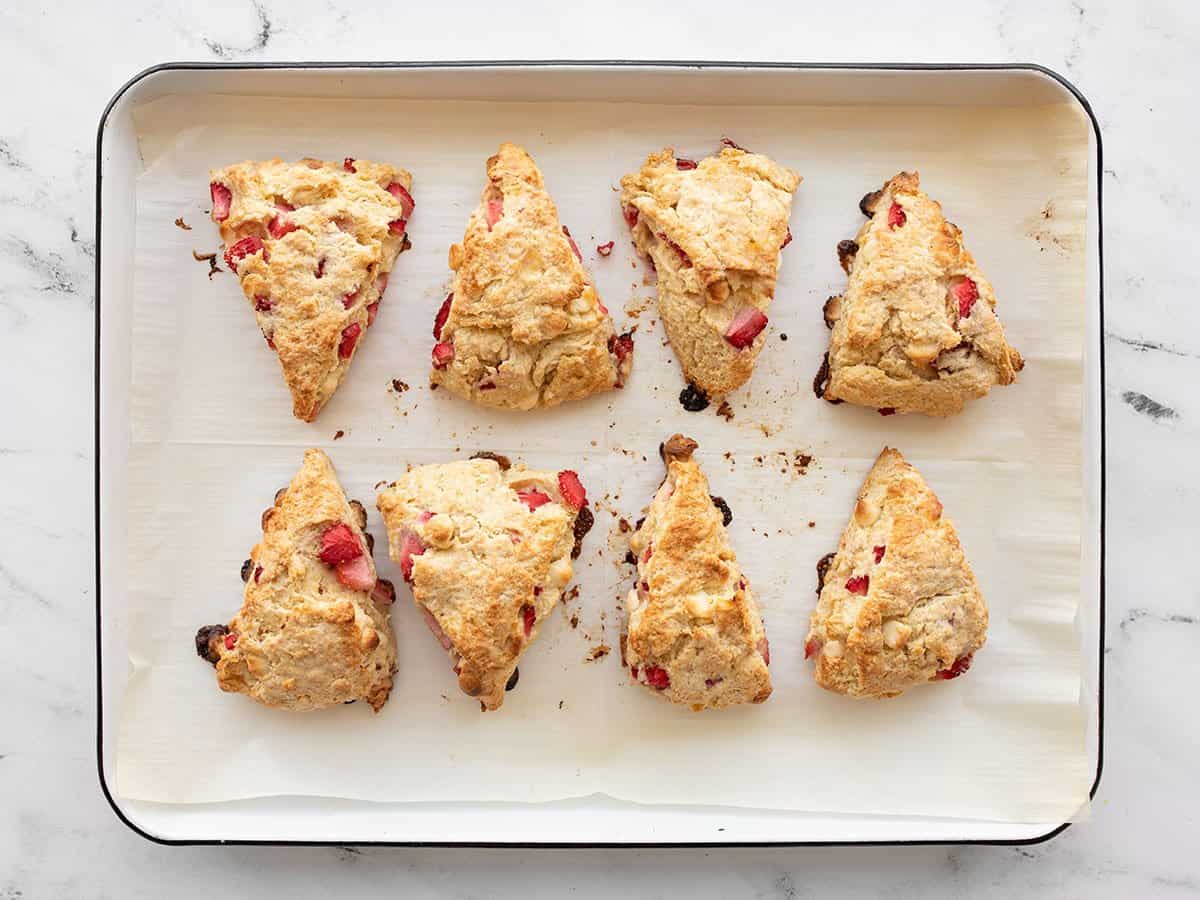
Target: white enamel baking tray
589	821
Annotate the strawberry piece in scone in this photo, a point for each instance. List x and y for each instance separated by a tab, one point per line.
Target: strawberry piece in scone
899	605
486	547
695	634
916	329
312	243
523	326
314	629
713	231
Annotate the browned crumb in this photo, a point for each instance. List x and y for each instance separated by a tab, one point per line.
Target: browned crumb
211	259
725	411
812	524
801	462
560	703
598	652
783	336
574	620
339	434
179	223
379	485
399	386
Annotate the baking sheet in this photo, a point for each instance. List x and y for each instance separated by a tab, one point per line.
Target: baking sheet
212	439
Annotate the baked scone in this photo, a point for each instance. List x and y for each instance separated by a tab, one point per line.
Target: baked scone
487	548
314	629
713	231
899	605
916	330
695	633
313	243
523	326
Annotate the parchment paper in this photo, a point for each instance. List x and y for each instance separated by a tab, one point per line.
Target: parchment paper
213	438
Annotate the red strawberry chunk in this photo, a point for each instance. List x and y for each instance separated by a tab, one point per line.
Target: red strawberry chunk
443	355
410	545
400	192
621	346
348	164
728	142
631	215
262	304
574	246
372	312
320	271
657	678
605	249
222	197
381	284
495	209
247	246
879	551
529	615
340	544
684	259
439	321
812	647
436	629
633	670
230	640
887	411
965	293
745	327
602	307
787	238
533	498
356	574
398	226
349	338
350	299
281	225
764	650
270	341
896	216
859	584
685	164
258	570
959	666
284	207
572	489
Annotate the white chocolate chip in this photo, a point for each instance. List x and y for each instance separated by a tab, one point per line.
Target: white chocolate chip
896	633
833	649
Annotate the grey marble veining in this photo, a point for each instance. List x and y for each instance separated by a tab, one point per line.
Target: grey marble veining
1135	62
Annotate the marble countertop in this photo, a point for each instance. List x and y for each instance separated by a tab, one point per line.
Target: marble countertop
1137	65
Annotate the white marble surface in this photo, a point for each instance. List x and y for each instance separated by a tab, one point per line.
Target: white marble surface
1136	63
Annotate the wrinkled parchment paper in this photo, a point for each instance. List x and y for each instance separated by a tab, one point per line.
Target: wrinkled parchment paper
213	438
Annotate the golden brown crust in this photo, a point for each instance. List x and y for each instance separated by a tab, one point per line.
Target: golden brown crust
302	639
309	285
694	632
526	326
899	341
714	234
478	557
919	611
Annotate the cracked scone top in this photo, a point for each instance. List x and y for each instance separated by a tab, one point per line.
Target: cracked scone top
314	629
313	244
695	634
523	326
899	605
916	329
713	231
487	549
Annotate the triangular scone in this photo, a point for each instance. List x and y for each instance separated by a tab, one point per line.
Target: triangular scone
899	605
314	629
523	326
313	243
487	548
713	231
695	632
916	330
